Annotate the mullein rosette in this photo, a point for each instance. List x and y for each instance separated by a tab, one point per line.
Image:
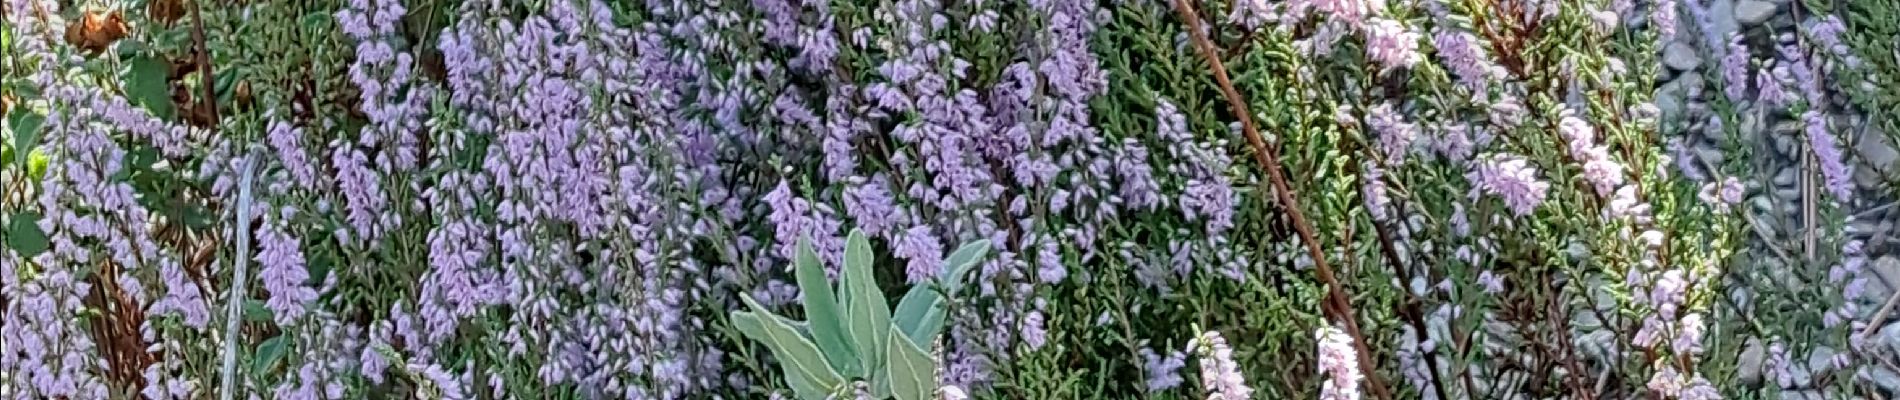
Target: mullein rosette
851	345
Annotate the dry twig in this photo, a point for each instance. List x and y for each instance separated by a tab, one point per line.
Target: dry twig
1269	158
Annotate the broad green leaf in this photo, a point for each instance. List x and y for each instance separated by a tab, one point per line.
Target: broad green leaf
961	261
869	314
912	373
24	235
920	314
805	389
145	85
25	126
267	355
796	355
254	311
822	311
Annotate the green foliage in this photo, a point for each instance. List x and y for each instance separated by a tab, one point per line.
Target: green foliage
866	343
24	235
145	83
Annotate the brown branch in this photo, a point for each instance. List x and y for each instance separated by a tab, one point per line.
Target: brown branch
210	100
1269	158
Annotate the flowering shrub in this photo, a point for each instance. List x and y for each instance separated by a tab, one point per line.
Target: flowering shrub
571	198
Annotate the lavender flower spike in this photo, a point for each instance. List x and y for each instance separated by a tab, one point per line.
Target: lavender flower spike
1220	375
1339	362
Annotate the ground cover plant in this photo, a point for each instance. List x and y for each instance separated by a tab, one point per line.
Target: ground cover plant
948	199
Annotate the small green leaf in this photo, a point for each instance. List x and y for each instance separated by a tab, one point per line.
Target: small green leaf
268	353
961	261
24	235
920	314
869	315
796	354
822	311
254	311
25	126
36	163
912	373
145	84
317	20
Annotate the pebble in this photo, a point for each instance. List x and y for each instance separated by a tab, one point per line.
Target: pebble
1883	377
1748	364
1785	178
1890	336
1681	56
1877	150
1883	278
1821	360
1707	152
1754	12
1801	395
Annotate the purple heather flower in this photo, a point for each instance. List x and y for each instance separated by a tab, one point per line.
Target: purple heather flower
1220	375
1395	133
1350	12
1507	113
1340	362
1700	389
1390	43
1735	70
1689	334
1033	333
1666	382
1664	18
871	203
1466	57
1163	372
1510	178
1731	191
283	274
1769	91
1836	172
924	252
1138	189
1373	188
1827	34
361	190
1491	282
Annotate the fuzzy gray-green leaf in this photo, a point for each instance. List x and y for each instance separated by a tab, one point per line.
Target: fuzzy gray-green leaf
920	314
869	315
822	311
796	355
912	373
961	261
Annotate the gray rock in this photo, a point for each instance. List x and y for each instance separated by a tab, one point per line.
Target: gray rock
1784	140
1881	376
1869	179
1681	56
1708	153
1721	22
1801	395
1781	22
1890	336
1753	12
1788	195
1762	205
1785	178
1821	360
1885	278
1878	151
1748	365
